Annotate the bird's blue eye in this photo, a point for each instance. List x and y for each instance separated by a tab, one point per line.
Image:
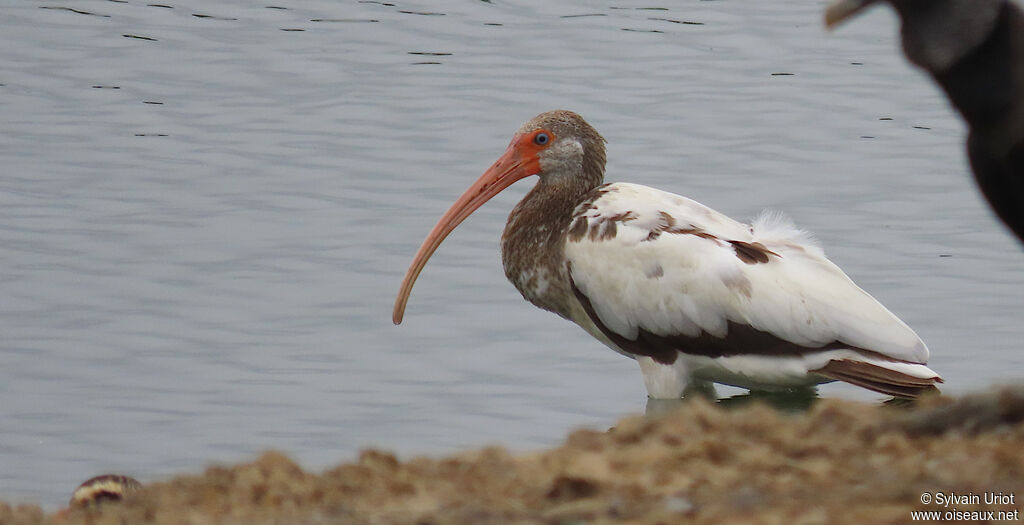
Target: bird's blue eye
541	139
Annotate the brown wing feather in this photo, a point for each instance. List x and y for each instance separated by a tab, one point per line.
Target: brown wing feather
740	339
877	378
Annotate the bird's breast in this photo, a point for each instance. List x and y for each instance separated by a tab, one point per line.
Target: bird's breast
534	262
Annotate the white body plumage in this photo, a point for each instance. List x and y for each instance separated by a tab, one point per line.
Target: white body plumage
639	275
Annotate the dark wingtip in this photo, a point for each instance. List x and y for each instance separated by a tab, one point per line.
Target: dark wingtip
879	379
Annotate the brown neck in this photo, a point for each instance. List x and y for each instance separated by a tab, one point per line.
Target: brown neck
533	243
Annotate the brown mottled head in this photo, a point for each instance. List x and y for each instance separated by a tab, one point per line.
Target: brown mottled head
104	488
574	148
567	153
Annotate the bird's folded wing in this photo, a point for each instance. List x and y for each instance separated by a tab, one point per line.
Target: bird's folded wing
654	264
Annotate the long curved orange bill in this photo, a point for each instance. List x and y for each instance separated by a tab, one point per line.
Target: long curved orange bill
511	167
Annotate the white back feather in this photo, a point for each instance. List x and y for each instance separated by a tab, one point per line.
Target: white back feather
685	284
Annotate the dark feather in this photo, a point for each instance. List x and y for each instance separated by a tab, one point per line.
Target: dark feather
879	379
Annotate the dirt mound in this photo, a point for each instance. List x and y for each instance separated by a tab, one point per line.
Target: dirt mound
839	462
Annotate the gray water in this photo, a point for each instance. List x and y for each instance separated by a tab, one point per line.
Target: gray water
206	209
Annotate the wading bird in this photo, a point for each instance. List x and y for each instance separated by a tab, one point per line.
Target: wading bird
974	49
694	296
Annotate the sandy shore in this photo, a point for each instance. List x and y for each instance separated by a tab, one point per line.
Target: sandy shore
839	462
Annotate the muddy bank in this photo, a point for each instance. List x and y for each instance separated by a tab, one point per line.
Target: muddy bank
840	462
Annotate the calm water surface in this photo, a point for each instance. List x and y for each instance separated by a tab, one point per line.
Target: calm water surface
206	209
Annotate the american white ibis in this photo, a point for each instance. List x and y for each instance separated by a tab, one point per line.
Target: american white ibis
694	296
974	50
